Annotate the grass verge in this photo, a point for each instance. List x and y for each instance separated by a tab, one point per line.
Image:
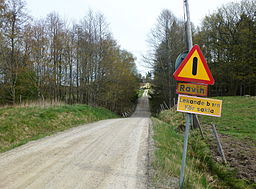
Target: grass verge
169	143
237	121
18	125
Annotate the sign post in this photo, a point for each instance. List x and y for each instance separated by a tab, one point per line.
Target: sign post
189	117
193	69
185	147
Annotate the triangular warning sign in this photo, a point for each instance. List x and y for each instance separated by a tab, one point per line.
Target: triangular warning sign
194	68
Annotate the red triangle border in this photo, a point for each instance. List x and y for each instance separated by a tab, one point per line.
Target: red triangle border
184	62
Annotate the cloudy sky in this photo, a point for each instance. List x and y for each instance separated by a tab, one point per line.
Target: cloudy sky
130	21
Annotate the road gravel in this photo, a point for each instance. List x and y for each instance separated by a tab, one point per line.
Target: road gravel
109	154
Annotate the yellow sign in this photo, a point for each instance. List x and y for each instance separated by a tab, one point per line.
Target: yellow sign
194	68
196	105
192	89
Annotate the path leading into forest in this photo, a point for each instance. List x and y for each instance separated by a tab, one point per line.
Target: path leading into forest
109	154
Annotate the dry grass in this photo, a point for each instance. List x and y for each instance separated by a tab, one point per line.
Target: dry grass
37	103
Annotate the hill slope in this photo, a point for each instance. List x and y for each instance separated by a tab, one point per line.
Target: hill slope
18	125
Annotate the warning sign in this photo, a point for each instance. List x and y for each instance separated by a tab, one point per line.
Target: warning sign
196	105
194	68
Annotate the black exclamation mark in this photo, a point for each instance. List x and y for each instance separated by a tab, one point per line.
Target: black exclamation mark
194	67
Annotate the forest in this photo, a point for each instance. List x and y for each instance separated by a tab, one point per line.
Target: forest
52	60
227	37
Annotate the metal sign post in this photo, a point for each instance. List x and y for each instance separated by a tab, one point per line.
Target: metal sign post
188	27
185	147
193	69
189	117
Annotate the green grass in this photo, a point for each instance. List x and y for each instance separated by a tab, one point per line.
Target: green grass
168	155
168	143
238	117
18	125
238	120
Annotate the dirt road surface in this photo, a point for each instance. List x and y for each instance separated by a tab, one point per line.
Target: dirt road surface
109	154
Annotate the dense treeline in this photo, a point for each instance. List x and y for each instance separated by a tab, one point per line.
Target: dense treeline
227	38
49	59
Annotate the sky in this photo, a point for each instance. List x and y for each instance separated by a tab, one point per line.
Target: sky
130	21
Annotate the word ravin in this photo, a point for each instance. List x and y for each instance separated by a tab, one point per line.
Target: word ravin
192	89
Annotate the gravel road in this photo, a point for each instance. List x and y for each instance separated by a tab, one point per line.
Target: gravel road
109	154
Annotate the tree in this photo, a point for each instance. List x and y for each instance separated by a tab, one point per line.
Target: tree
228	40
47	59
167	40
15	18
